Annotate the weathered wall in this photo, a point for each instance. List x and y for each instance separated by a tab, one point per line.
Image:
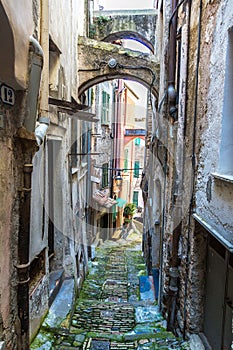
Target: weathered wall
213	204
193	177
17	25
8	230
55	183
194	141
214	195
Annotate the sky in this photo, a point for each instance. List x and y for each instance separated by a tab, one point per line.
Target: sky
126	4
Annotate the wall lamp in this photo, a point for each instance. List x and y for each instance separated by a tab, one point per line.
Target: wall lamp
118	179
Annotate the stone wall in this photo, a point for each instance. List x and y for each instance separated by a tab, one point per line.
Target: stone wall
116	25
10	184
192	178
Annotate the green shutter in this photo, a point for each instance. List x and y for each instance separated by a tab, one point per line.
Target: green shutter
137	142
105	175
136	169
105	107
135	198
126	159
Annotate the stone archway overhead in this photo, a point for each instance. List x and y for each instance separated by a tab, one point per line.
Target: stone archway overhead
139	24
94	67
126	34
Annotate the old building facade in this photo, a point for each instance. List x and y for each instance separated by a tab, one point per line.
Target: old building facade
43	176
189	202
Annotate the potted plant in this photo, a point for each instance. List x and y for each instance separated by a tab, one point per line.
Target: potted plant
128	212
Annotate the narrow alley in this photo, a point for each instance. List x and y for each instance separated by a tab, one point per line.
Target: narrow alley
115	114
116	308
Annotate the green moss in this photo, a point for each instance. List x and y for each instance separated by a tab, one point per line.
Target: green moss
113	337
41	339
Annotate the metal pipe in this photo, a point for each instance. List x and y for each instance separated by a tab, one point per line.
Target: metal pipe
172	61
41	129
23	258
162	232
172	289
44	41
36	66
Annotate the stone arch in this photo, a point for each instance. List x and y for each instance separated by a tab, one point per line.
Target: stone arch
115	75
94	58
139	24
127	34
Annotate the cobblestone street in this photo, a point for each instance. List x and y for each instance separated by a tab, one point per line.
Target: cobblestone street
109	313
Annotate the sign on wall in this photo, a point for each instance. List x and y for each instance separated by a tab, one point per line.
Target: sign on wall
7	95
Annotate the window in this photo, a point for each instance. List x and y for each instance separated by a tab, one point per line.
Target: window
86	141
226	150
74	142
135	198
105	175
126	154
137	142
136	169
105	108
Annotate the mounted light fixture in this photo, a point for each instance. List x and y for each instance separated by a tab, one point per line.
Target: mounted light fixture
112	63
118	179
172	95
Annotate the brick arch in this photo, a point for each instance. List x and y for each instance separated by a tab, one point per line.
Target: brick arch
127	34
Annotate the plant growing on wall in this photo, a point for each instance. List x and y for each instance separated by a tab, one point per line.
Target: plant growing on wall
99	26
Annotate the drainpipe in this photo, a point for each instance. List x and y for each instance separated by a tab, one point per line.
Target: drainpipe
43	122
23	258
161	279
36	65
173	272
36	61
172	62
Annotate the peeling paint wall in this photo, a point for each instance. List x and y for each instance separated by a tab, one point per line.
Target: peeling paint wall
194	181
15	145
217	23
58	189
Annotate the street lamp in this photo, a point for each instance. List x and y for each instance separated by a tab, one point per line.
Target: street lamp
118	178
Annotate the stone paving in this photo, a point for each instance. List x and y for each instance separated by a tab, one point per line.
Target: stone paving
108	314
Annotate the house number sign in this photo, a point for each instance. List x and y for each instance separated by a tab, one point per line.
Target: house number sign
7	95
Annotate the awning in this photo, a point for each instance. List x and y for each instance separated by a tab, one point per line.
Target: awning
74	109
120	202
103	200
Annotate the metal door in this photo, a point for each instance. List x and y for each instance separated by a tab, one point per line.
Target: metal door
215	289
